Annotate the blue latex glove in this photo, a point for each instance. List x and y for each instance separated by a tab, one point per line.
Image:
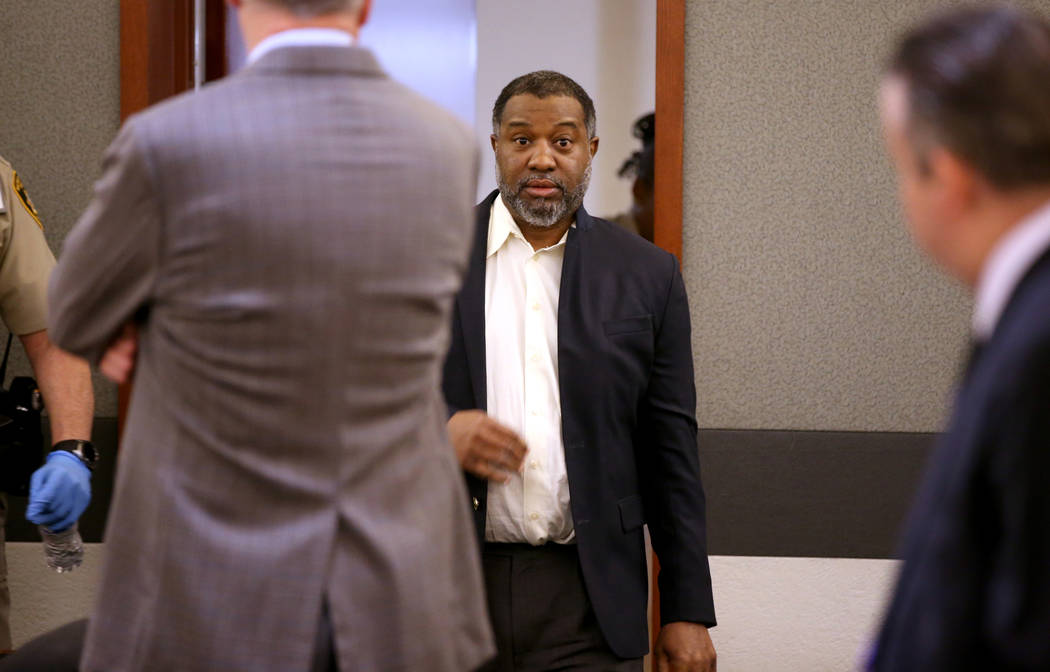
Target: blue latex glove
59	491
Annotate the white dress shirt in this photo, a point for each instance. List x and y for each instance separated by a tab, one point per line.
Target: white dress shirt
521	377
301	37
1007	264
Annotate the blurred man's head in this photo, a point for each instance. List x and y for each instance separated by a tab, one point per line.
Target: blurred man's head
966	115
543	134
262	18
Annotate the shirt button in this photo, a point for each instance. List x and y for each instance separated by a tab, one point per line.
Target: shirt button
474	501
534	516
534	464
535	357
536	306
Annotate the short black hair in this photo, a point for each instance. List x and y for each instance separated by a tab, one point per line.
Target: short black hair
543	84
640	163
978	84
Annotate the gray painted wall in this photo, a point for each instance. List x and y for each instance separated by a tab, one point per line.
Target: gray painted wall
811	308
811	311
59	109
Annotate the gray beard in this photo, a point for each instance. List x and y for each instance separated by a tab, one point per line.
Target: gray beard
544	214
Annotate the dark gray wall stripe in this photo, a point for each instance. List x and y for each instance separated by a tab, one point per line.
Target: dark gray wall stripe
769	493
809	494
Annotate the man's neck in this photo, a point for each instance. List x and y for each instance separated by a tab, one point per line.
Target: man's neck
259	21
1002	216
543	236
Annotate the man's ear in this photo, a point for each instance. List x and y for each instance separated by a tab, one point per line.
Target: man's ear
366	11
494	140
594	146
956	181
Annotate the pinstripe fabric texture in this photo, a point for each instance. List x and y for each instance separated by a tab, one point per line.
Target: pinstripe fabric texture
294	236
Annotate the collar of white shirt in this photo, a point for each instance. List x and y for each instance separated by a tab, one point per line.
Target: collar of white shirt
1009	261
301	37
502	226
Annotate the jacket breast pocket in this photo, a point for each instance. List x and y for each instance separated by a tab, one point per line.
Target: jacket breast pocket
628	325
632	515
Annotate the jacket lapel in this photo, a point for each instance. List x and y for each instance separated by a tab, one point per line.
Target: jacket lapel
572	354
472	303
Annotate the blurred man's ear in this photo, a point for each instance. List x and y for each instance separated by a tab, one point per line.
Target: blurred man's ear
594	146
954	179
494	139
366	11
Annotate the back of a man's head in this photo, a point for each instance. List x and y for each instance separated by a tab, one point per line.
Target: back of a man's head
312	8
978	85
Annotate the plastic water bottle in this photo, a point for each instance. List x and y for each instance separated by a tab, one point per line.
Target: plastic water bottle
64	551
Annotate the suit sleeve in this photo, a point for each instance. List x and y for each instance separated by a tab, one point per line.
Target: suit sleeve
108	266
670	466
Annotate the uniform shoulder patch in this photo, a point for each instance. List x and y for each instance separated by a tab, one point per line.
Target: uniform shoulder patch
20	190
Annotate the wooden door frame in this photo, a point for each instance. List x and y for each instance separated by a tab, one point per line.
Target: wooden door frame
156	62
667	207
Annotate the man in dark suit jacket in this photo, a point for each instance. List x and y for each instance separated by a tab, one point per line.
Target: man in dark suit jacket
572	408
966	111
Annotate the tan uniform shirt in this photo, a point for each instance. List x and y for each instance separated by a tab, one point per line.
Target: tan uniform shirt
25	264
25	259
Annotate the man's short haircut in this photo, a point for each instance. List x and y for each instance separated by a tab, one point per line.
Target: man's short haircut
311	8
543	84
978	85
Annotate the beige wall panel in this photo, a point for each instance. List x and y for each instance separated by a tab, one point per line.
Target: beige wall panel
59	109
797	614
41	599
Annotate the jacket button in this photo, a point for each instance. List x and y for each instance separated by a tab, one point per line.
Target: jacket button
475	502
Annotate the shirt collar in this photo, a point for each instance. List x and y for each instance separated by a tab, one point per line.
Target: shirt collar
301	37
502	226
1010	259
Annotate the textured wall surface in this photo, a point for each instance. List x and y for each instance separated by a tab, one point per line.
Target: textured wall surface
797	614
59	109
811	308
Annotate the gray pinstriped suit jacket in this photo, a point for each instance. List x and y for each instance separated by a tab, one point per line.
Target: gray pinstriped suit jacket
291	238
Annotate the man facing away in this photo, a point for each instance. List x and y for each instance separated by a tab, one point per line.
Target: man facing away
572	408
287	244
966	113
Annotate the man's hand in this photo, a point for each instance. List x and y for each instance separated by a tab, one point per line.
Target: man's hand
59	491
684	647
118	362
484	447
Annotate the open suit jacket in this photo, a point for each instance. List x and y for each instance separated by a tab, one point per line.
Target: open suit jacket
974	591
628	406
291	239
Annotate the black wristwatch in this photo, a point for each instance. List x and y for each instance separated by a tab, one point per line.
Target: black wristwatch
82	449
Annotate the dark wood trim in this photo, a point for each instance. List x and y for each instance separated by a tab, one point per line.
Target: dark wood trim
670	108
667	207
156	62
216	63
156	52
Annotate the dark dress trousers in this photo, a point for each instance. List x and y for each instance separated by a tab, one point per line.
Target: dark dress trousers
628	406
974	591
